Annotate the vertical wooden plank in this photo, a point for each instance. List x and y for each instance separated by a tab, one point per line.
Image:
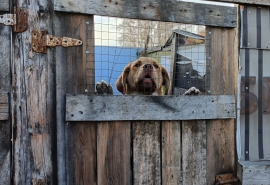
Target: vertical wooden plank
5	81
5	86
81	151
173	62
266	116
5	152
194	152
171	153
221	146
33	101
76	164
146	153
113	153
4	5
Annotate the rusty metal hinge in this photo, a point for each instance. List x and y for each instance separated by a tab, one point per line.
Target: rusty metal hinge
226	179
18	20
40	41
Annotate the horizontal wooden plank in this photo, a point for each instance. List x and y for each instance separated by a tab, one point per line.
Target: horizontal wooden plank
254	172
3	116
113	108
3	98
4	106
257	2
4	5
157	10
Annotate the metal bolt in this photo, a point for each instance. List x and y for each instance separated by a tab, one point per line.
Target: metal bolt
210	32
87	52
86	90
209	91
87	22
246	87
209	58
246	152
249	44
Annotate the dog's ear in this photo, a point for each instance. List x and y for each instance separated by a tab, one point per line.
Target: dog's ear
166	80
121	83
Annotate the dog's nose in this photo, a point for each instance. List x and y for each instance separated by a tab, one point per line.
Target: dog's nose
148	66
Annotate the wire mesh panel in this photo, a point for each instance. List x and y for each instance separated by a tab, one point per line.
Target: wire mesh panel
176	54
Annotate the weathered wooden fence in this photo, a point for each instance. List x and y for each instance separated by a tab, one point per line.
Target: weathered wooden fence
49	148
117	140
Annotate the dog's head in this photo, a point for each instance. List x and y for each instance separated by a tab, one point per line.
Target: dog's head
143	76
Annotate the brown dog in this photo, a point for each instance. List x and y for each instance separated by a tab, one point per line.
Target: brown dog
145	76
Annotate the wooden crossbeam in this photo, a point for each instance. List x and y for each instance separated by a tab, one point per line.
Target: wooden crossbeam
156	10
117	108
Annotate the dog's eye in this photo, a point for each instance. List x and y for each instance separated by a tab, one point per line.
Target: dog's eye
155	65
137	64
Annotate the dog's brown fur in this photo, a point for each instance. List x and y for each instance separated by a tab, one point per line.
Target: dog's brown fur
144	76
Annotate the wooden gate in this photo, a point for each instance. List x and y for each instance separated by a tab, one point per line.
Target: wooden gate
49	147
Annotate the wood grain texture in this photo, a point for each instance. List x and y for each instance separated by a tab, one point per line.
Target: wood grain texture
256	172
171	150
254	2
4	106
4	5
81	152
113	153
5	81
194	152
33	102
104	108
146	153
5	153
158	10
221	141
74	166
5	87
174	47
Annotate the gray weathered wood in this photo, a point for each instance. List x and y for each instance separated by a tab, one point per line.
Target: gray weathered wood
172	74
80	141
109	108
33	102
221	146
158	10
5	83
146	153
171	153
113	153
4	5
251	173
75	165
5	153
4	106
194	152
5	87
255	2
